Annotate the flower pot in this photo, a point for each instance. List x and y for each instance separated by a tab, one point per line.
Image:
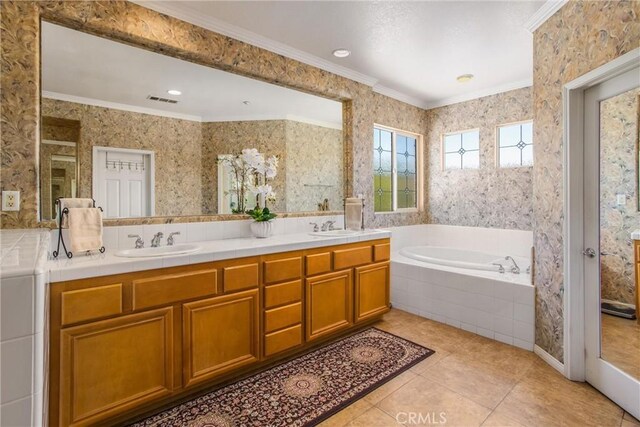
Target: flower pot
262	229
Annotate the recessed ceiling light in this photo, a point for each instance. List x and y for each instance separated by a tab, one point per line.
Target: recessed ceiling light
341	53
174	92
464	78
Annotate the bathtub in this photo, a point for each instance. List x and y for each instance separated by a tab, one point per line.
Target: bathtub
463	258
446	274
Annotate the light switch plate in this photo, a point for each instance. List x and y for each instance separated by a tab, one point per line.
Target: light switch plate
10	200
621	199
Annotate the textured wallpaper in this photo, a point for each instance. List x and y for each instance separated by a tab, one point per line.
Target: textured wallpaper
175	142
618	175
485	197
578	38
315	166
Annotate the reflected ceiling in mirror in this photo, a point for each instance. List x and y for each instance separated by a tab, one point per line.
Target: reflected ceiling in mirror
150	130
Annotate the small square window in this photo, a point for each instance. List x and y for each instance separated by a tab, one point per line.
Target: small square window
515	145
461	150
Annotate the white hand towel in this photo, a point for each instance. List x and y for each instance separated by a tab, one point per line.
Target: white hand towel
85	229
353	213
71	204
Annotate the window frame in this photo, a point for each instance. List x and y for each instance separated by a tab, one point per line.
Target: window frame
443	153
497	144
394	171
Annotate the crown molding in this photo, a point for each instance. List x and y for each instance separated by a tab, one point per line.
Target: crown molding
479	94
117	106
184	13
545	12
392	93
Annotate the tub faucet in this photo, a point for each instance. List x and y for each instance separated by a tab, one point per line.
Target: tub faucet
328	226
500	267
515	269
155	242
170	239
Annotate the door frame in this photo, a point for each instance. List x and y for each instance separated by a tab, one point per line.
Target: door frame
152	171
573	182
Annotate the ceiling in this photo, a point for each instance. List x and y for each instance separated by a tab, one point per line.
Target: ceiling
83	68
412	51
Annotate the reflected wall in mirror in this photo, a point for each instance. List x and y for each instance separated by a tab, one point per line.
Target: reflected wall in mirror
142	149
619	217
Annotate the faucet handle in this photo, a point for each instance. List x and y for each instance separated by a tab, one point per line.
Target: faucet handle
315	226
139	241
500	267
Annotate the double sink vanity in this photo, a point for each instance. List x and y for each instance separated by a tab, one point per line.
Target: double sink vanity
129	335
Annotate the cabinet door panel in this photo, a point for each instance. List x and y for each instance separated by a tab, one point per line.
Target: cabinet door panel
372	291
111	366
329	305
219	335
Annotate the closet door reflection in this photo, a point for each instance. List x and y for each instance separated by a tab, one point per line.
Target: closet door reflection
619	218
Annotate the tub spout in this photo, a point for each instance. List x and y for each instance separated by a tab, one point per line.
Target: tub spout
500	267
515	269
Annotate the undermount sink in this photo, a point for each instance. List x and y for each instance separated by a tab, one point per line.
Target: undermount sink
159	251
334	233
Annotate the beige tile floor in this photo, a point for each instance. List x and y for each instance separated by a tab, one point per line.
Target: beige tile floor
474	381
621	343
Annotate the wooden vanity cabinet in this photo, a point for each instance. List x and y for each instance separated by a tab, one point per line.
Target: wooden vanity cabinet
219	335
110	366
121	345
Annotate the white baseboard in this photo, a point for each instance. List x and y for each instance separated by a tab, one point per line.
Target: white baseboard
552	361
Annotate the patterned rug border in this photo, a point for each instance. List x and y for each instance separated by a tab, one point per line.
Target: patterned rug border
373	387
324	416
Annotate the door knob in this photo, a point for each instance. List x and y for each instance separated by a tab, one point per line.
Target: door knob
589	252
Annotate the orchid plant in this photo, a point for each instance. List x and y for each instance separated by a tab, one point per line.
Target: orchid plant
252	173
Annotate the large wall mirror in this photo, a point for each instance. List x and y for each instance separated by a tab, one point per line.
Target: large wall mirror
146	134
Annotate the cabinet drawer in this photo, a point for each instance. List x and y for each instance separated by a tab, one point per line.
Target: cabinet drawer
283	293
240	277
282	340
91	304
346	258
280	270
170	288
637	252
318	263
282	317
381	252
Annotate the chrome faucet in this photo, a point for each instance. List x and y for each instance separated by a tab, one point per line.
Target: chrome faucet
515	269
155	242
170	241
139	241
328	225
500	267
315	227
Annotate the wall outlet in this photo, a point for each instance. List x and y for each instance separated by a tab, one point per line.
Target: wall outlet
10	200
621	199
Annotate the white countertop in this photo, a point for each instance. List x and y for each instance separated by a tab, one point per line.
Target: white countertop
94	265
635	235
24	252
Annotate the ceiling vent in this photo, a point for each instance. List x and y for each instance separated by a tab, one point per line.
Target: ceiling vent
161	99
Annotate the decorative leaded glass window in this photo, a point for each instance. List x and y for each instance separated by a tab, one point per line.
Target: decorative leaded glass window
515	145
396	170
461	150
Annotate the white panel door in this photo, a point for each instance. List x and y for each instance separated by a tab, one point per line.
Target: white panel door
122	182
